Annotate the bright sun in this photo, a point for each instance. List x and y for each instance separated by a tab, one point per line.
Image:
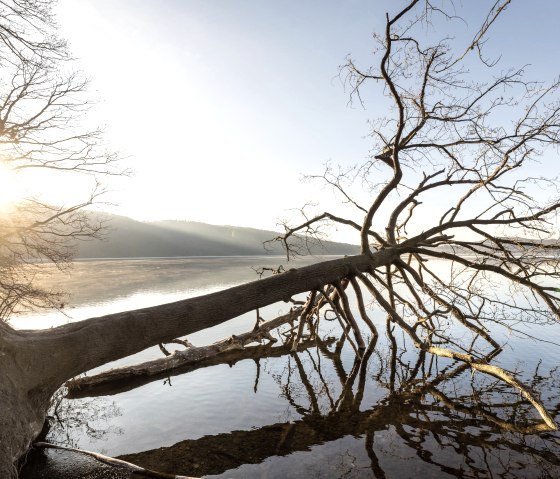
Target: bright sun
12	188
52	187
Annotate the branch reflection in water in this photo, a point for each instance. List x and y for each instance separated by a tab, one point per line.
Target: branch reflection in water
434	417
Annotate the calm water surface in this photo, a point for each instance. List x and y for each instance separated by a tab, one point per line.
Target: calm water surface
318	413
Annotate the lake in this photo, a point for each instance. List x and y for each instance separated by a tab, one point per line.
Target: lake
320	412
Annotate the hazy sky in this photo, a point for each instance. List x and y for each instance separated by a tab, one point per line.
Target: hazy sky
221	105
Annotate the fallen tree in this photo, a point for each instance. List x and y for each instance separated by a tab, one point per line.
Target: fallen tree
444	139
36	363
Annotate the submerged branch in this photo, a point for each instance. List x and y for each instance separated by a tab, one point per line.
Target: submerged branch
179	359
502	375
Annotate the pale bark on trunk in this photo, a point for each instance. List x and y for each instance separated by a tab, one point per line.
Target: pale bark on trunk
34	364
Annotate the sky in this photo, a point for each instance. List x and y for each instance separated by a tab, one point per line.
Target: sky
220	106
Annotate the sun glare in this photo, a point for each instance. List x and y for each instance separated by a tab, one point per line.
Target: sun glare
12	189
53	187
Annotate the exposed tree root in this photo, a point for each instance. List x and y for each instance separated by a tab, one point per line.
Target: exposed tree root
111	461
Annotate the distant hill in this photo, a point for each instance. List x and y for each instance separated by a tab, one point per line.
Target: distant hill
127	238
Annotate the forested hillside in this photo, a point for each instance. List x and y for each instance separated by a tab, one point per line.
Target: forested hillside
127	238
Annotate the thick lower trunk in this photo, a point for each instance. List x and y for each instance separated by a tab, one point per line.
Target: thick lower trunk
22	413
34	364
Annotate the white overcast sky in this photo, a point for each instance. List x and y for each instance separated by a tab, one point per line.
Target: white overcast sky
221	105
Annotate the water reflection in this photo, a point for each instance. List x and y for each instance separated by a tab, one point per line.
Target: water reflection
70	421
98	287
437	421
